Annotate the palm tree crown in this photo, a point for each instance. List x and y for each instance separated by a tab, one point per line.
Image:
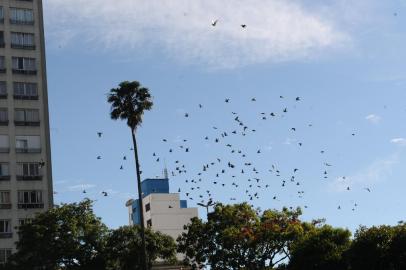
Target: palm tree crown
128	102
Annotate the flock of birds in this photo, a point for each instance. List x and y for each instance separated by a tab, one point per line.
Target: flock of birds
235	171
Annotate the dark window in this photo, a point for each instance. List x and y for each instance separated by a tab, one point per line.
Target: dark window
149	222
147	207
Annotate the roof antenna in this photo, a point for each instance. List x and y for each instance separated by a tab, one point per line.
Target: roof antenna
166	175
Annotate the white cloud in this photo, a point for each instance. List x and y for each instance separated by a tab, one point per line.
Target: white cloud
378	171
399	141
81	187
373	118
276	30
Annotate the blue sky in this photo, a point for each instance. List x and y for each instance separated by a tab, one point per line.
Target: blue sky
346	61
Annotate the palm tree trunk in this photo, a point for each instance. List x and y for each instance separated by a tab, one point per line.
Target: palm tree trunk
141	204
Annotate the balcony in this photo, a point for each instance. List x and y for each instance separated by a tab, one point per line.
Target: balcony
4	235
3	70
24	47
3	122
5	178
5	206
4	150
28	150
24	71
21	22
30	205
3	96
29	177
25	97
27	123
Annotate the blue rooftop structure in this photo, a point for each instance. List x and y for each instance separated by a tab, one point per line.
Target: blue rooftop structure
158	185
151	186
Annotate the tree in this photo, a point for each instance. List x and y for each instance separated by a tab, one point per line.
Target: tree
397	249
68	237
320	248
124	248
370	247
128	102
238	237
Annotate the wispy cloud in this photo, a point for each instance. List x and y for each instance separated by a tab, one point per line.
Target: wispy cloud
276	30
373	118
376	172
81	187
399	141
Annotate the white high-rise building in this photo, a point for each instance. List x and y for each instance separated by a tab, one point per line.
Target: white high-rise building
25	154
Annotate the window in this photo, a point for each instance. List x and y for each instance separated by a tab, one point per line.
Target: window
4	144
2	64
28	171
149	222
23	221
28	144
5	197
5	201
4	170
26	117
24	90
147	207
3	90
5	226
30	199
4	255
21	16
24	65
3	116
1	15
22	40
2	43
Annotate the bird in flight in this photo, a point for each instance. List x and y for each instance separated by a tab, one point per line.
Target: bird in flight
104	193
214	22
98	157
243	25
99	134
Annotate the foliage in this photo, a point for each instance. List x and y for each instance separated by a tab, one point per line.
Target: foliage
71	237
128	102
320	248
124	249
66	237
238	237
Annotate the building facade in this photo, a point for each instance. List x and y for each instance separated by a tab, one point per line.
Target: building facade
25	154
163	211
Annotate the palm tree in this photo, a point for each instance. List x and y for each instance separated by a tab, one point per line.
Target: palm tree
128	102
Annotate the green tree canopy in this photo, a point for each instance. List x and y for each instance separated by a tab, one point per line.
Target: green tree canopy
320	248
238	237
124	248
65	237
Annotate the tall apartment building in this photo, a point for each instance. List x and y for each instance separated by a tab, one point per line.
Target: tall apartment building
25	160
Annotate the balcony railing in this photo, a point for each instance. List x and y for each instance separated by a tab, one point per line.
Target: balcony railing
5	206
20	46
3	122
25	97
5	177
14	21
28	150
29	177
30	205
27	123
4	150
24	71
3	70
4	235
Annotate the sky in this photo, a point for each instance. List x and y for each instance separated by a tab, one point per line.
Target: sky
345	60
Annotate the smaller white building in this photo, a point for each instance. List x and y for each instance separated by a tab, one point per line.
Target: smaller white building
163	211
